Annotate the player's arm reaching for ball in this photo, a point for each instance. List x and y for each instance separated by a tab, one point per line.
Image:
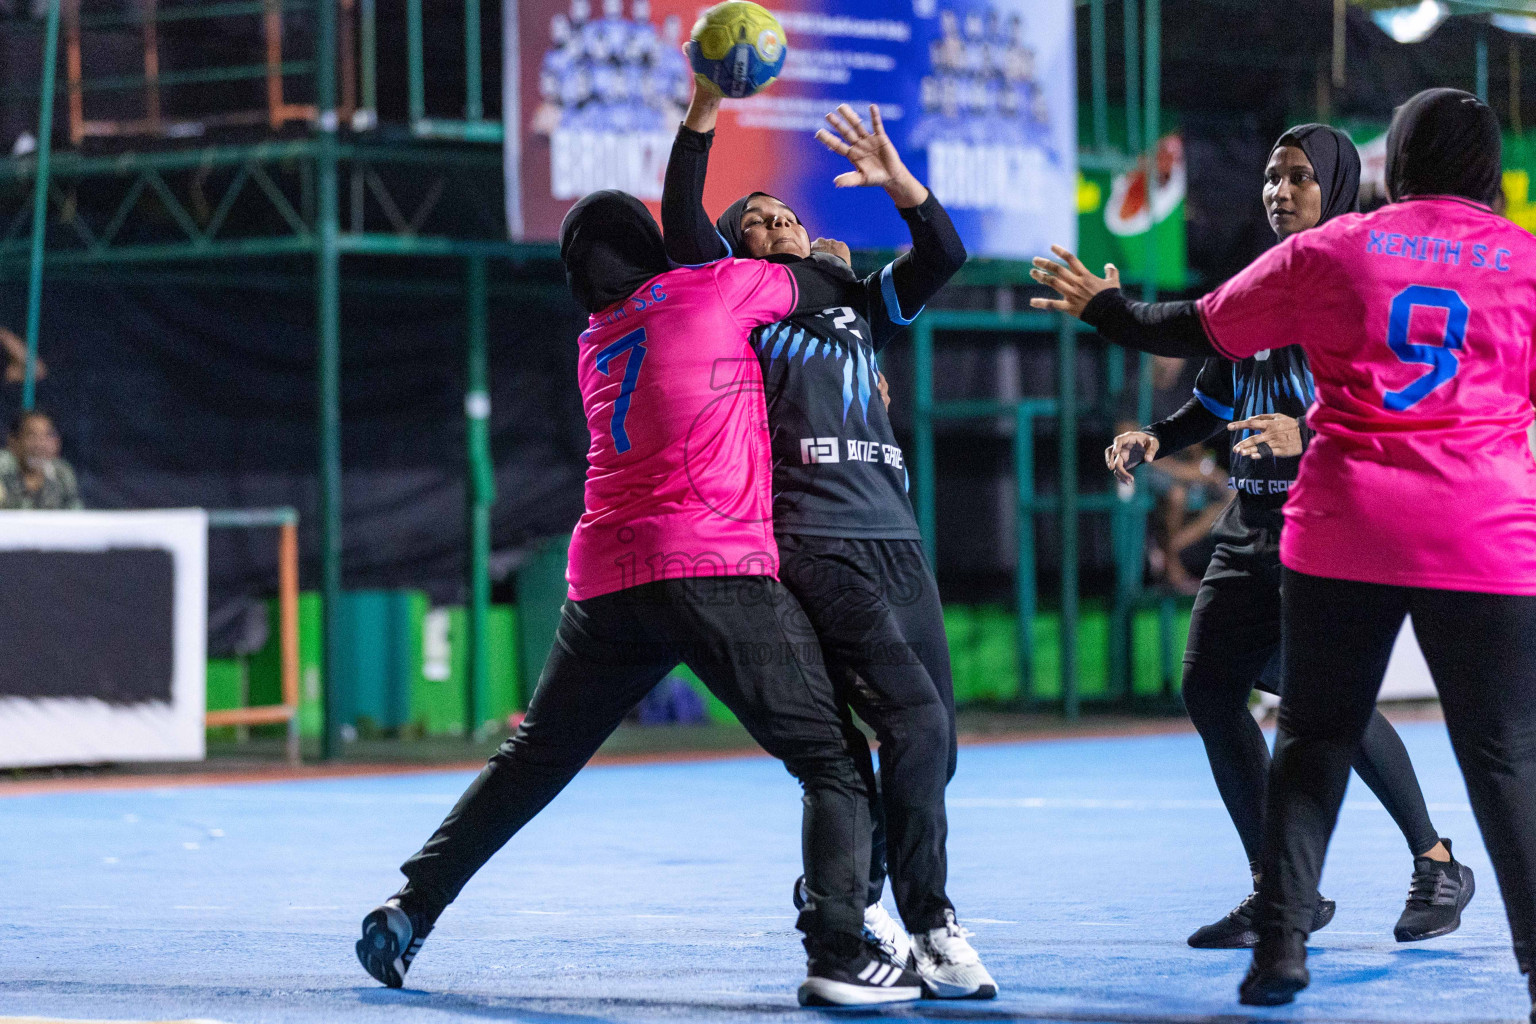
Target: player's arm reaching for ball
900	290
690	236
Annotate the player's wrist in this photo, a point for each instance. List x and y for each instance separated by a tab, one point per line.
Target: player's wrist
905	190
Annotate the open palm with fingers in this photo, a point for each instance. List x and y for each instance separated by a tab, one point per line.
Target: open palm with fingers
869	149
1075	283
873	155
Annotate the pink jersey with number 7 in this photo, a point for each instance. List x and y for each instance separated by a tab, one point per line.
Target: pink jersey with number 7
1418	321
679	475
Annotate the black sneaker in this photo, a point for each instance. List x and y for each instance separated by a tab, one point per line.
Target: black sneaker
1436	897
391	940
848	971
1278	971
1235	931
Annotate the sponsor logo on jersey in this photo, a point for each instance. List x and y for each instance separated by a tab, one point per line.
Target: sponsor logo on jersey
815	450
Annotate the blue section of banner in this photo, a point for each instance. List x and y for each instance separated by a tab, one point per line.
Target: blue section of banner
979	97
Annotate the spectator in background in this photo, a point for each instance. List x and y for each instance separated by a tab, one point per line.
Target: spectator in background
32	475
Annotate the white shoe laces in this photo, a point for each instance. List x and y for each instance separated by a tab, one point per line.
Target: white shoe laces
948	944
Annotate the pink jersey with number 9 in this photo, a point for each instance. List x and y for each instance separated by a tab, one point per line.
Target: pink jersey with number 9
679	474
1418	321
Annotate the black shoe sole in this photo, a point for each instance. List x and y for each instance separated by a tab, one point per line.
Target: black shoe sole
1468	888
378	950
1270	990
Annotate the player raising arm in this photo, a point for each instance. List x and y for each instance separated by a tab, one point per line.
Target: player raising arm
672	561
1312	177
1413	498
851	550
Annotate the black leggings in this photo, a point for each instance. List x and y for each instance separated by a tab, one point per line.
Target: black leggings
875	607
1481	650
746	638
1234	644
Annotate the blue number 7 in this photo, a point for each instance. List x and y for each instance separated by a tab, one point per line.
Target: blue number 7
1442	358
633	340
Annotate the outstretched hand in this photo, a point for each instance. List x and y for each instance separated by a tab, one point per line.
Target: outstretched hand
873	155
1075	283
1279	433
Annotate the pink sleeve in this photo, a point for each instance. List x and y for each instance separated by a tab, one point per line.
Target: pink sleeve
1256	309
756	292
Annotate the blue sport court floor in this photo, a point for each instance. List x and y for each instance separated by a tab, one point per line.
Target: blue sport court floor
660	892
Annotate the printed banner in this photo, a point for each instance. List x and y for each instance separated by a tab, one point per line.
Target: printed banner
1117	210
980	97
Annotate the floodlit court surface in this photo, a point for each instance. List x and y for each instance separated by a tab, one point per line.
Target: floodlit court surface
660	892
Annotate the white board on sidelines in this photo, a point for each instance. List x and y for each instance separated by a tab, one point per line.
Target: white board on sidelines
81	728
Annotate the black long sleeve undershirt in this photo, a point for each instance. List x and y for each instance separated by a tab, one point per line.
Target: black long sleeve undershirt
937	254
1191	424
1161	328
691	238
690	235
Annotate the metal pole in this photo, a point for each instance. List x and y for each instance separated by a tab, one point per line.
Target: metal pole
416	74
1154	129
922	433
1514	87
1024	538
481	493
1482	63
40	202
1340	51
328	302
1067	431
1097	46
288	627
474	108
1132	78
368	42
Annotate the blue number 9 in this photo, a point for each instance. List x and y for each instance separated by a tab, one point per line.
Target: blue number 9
1441	359
633	340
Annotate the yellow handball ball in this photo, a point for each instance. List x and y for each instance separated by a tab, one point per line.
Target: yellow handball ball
737	48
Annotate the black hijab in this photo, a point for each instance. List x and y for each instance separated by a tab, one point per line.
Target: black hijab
1444	142
729	224
610	246
1335	163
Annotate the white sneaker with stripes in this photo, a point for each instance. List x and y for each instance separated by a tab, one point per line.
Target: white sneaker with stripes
949	967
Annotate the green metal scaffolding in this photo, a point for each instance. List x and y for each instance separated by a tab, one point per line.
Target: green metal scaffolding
317	229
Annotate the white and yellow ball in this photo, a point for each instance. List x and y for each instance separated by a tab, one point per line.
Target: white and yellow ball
737	48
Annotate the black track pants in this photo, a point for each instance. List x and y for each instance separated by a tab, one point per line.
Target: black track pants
746	638
1234	645
1481	650
874	606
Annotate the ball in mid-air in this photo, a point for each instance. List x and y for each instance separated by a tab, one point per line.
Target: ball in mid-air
737	48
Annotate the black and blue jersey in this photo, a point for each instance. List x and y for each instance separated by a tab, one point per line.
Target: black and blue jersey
1273	381
837	469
